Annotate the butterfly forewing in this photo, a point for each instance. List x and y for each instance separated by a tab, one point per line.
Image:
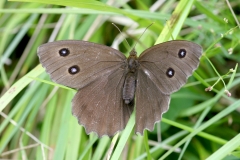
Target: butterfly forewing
169	64
89	61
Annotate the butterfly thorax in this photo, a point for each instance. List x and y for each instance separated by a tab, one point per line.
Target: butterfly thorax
130	79
132	64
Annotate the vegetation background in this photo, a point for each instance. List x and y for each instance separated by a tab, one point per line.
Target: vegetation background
36	120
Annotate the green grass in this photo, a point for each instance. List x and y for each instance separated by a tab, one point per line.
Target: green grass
36	120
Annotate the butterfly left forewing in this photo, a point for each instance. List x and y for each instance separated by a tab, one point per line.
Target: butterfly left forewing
93	61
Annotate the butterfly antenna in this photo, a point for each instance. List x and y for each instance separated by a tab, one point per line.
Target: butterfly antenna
143	33
121	33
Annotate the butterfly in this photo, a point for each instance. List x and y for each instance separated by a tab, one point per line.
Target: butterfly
109	84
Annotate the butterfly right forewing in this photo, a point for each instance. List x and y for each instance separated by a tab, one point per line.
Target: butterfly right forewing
165	58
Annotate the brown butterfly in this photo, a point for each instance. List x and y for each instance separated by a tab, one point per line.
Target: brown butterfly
107	81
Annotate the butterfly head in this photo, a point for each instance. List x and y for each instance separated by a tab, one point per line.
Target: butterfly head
133	53
133	61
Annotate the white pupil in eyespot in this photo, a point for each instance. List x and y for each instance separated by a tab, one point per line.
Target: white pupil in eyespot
64	51
170	73
182	53
73	70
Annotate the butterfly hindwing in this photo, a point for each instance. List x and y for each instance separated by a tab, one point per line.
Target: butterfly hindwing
100	107
151	103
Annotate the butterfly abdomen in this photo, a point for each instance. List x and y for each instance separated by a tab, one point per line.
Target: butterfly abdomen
129	87
130	80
